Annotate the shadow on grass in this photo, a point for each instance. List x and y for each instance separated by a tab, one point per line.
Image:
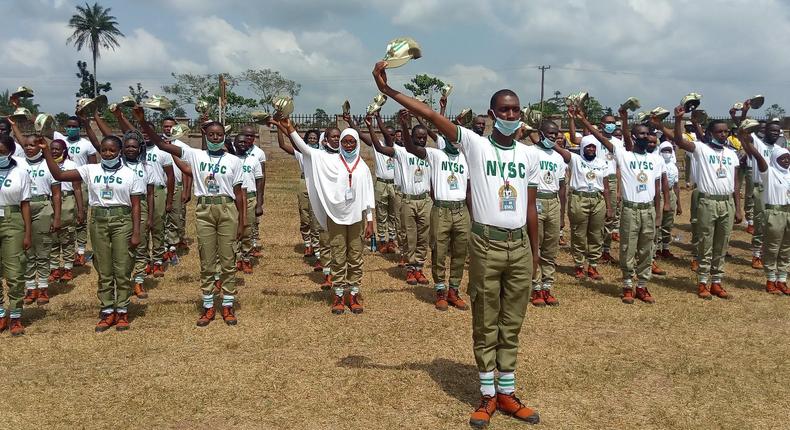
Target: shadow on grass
424	294
30	315
315	296
60	288
137	310
396	272
452	377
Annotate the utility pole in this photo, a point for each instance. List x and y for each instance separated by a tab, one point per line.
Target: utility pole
542	80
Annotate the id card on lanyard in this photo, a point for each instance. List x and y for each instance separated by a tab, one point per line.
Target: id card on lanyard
212	186
107	192
349	191
507	192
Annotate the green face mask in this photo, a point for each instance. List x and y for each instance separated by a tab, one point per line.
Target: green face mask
214	146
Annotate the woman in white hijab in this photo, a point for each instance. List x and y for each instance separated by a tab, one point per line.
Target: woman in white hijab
776	196
664	236
341	192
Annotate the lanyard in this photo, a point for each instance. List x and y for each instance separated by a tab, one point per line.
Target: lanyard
351	170
214	169
499	161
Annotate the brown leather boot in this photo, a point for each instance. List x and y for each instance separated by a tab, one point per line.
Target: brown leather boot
43	296
17	329
455	300
717	290
644	295
68	275
628	296
338	305
139	291
327	284
757	263
55	275
122	321
771	288
30	296
246	267
106	320
228	316
509	404
550	299
441	300
206	317
579	274
420	277
355	303
158	271
410	279
4	324
592	273
537	299
654	269
482	415
782	286
703	292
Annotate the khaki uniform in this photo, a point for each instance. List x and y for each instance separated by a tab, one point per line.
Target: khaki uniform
157	233
400	228
346	249
307	220
612	225
587	216
664	237
110	231
175	219
776	246
718	213
749	201
415	213
62	251
244	247
81	231
637	233
385	209
141	252
548	239
694	225
37	270
758	218
449	231
12	256
217	224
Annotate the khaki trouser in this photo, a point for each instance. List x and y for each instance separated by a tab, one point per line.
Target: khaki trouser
613	224
385	210
314	237
141	252
217	225
37	270
81	231
587	215
694	224
449	233
157	233
664	238
776	243
305	214
500	274
175	219
758	219
62	252
110	230
325	251
12	256
400	228
716	218
548	242
416	219
637	232
244	246
748	194
346	250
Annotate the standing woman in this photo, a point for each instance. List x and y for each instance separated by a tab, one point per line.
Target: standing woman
15	234
114	193
220	212
61	257
341	191
664	237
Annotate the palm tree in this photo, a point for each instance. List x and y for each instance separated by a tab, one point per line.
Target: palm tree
95	28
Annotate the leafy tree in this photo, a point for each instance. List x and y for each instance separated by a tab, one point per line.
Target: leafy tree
189	88
62	117
557	105
88	86
268	84
320	118
775	111
95	29
6	108
425	86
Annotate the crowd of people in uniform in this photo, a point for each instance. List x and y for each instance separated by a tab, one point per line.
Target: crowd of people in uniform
494	204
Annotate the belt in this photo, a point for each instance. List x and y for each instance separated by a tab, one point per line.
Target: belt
100	211
386	181
448	204
782	208
11	209
180	184
587	193
41	198
214	200
546	195
635	205
160	187
301	176
720	198
66	193
415	196
496	233
251	194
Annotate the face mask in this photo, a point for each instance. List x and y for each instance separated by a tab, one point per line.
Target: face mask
59	160
349	155
215	146
641	143
450	149
667	156
35	157
112	163
546	142
508	128
716	144
588	157
5	161
609	128
651	149
73	133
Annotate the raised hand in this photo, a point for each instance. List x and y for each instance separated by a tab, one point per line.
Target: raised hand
679	111
380	76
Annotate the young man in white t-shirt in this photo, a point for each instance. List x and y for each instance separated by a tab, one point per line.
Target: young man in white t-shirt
252	181
249	133
504	243
716	168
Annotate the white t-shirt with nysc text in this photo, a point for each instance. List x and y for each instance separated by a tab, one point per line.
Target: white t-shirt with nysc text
551	169
177	174
67	165
638	174
777	186
213	175
500	178
157	161
257	153
108	188
604	154
715	169
415	172
143	171
251	171
765	150
41	180
396	174
587	176
15	187
78	151
385	166
449	175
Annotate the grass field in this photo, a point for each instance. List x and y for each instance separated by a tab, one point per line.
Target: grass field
593	362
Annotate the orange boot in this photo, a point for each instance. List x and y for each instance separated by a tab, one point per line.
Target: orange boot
410	279
355	303
482	415
43	297
228	316
420	277
67	276
206	317
106	320
592	273
549	298
327	284
31	294
537	299
455	300
757	263
717	290
441	300
509	404
338	305
628	296
122	321
703	292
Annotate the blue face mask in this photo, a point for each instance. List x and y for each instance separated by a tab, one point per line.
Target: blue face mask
73	133
715	142
112	163
508	128
546	142
641	143
609	128
5	161
214	146
349	156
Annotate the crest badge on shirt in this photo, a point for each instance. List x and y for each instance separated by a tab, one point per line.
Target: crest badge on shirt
418	174
452	181
390	163
642	178
590	175
507	198
548	178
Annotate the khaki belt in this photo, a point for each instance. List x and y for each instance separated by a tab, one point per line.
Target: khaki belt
635	205
587	193
214	200
546	195
99	211
449	204
497	233
782	208
719	198
415	196
386	181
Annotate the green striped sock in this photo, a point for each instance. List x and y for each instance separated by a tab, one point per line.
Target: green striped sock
506	384
487	384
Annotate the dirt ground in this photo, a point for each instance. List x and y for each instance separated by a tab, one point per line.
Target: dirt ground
593	362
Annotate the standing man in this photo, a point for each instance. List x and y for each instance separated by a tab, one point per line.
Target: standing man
182	191
257	154
384	189
504	242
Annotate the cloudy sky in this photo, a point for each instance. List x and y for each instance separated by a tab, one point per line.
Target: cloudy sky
657	50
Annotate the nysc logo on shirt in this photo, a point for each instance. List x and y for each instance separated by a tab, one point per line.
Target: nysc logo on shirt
641	165
6	182
150	157
414	161
548	166
246	169
103	179
74	150
510	169
210	167
36	173
717	159
449	166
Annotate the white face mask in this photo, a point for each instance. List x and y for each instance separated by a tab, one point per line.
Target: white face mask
667	156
